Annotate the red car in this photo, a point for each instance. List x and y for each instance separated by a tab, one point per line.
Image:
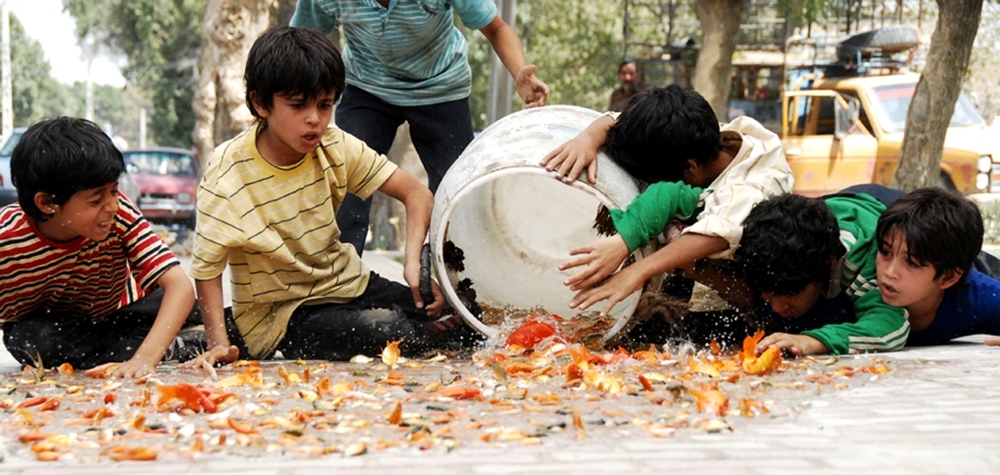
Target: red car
168	182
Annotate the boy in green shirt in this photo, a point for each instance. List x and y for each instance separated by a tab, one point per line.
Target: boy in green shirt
797	251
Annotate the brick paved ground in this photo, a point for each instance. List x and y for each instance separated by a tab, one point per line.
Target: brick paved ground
938	411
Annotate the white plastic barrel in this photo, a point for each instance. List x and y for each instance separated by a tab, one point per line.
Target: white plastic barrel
515	223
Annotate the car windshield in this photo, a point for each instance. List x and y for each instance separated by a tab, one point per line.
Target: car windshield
892	102
160	163
8	147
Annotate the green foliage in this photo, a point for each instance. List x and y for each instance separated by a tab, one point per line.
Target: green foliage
114	109
576	45
161	39
35	94
801	13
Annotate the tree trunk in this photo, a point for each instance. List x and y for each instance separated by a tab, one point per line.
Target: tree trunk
720	26
220	110
937	91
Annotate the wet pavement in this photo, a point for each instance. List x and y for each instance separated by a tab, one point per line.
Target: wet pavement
937	410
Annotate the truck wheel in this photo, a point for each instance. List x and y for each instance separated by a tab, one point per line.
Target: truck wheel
888	40
944	181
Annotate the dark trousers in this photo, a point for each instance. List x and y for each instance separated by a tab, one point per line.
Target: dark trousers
384	312
440	133
883	194
81	341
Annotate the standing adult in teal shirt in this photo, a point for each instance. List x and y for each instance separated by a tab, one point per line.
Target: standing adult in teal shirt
407	61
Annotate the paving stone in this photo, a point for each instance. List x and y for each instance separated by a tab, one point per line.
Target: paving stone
937	411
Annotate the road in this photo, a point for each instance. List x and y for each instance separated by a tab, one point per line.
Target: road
936	411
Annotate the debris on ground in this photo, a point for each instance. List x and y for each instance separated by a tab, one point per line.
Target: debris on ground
500	394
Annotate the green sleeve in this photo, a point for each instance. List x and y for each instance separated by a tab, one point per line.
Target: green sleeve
880	327
650	212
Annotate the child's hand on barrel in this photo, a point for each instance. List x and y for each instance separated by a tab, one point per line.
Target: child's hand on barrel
614	290
599	259
571	158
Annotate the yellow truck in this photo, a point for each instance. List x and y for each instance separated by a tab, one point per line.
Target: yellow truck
842	131
843	125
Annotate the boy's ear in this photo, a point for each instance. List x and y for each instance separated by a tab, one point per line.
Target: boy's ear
949	278
255	100
43	201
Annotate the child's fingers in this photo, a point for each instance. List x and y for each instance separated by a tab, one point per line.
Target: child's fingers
106	368
574	172
992	341
584	279
567	170
417	299
554	158
132	371
766	342
435	307
593	278
584	299
613	300
575	262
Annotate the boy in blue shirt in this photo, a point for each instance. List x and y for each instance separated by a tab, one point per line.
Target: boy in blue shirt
929	263
407	61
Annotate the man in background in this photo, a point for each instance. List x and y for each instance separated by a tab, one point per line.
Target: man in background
629	86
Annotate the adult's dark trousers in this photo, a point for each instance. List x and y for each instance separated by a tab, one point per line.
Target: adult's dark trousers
440	133
60	337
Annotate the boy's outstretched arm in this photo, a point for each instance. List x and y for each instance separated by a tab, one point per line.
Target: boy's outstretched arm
419	202
880	327
580	152
178	300
681	254
532	90
210	302
798	345
646	216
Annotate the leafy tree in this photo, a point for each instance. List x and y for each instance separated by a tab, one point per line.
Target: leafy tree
160	39
35	93
115	109
576	44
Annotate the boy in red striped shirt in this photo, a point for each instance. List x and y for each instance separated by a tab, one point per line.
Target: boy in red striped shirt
83	278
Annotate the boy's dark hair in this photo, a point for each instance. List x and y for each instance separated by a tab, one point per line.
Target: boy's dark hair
941	228
660	130
789	242
292	62
60	157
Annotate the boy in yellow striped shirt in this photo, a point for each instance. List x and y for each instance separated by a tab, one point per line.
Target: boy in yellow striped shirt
266	208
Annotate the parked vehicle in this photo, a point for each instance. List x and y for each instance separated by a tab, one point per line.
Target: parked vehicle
8	194
842	122
168	182
847	130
